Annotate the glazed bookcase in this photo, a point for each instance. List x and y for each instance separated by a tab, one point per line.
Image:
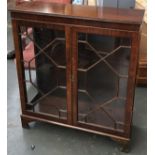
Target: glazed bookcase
83	69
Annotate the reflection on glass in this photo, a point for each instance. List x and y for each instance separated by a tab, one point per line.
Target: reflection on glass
44	60
103	63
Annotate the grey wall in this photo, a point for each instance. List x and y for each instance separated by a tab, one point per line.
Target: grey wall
119	3
126	3
107	3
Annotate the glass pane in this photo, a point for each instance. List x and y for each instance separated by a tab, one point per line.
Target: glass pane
44	60
103	63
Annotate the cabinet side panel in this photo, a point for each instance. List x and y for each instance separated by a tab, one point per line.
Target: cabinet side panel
132	81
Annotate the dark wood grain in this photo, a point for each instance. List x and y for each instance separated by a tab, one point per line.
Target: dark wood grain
85	12
132	81
69	74
19	65
75	20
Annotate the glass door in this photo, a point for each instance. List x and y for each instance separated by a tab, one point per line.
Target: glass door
44	63
101	78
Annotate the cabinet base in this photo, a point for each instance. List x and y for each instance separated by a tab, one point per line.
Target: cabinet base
123	142
25	122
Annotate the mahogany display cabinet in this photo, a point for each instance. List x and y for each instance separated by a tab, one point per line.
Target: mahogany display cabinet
82	67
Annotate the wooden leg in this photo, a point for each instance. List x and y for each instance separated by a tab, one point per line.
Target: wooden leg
25	122
123	143
125	147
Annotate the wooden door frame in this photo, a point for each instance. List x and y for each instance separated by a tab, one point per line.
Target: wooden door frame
133	35
20	68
